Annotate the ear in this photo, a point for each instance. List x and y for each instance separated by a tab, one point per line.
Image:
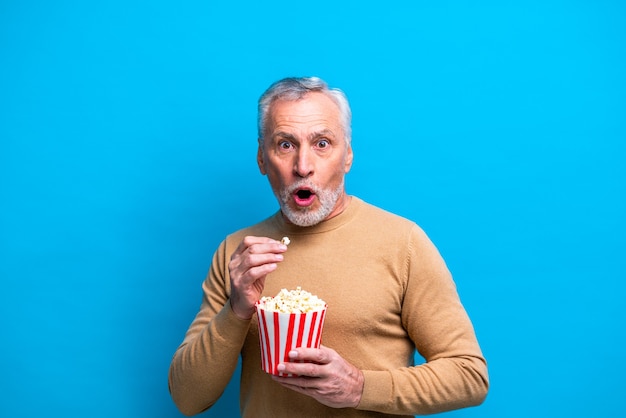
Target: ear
349	157
260	158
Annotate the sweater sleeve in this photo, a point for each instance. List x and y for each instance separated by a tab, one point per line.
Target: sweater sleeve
455	372
205	361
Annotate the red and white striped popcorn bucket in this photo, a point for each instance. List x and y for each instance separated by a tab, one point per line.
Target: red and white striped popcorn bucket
279	333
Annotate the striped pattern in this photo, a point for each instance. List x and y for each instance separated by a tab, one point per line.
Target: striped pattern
281	332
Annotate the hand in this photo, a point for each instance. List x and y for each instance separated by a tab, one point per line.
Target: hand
326	377
252	261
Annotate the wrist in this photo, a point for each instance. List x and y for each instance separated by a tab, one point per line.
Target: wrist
243	315
360	383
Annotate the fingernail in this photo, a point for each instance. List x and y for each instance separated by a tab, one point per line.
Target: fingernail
281	367
293	354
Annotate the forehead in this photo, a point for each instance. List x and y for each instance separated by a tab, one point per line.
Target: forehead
313	109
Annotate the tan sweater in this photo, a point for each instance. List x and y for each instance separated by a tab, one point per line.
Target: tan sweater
388	291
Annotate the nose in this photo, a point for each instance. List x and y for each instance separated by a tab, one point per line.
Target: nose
303	165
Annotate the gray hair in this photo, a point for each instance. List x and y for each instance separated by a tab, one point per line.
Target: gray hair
292	89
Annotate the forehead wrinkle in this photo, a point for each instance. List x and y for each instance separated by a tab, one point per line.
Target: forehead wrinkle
321	132
283	134
311	136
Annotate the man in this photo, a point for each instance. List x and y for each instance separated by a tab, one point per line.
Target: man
387	288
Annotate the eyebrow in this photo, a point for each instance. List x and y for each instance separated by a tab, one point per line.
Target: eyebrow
313	135
281	134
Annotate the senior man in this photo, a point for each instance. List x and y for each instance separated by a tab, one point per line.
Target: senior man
388	290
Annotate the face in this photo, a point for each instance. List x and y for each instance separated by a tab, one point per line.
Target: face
305	157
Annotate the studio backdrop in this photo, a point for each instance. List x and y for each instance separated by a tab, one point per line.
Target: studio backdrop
127	153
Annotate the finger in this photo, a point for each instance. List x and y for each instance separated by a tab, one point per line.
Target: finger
255	260
304	370
262	244
253	252
257	273
252	268
249	241
274	247
322	355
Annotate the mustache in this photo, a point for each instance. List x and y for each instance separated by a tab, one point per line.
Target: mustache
300	184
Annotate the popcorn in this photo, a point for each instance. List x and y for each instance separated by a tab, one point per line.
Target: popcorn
285	240
292	301
291	319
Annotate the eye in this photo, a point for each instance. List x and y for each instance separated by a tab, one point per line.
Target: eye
285	145
323	143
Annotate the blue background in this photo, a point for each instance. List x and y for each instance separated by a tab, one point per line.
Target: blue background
127	152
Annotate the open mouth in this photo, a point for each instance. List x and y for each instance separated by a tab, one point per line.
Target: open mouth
304	197
304	194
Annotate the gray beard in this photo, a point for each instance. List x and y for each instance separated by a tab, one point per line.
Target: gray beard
307	216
